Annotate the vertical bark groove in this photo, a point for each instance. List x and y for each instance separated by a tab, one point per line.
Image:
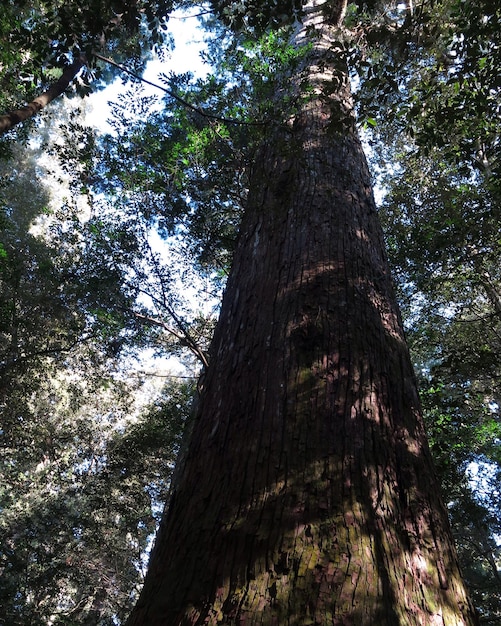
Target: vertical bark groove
308	495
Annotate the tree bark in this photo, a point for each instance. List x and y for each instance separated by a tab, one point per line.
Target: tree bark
308	494
9	120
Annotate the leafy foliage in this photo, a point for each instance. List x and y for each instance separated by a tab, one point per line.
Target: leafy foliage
443	239
42	38
433	75
84	469
256	14
82	482
86	457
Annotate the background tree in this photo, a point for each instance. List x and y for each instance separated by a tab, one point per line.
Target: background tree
87	450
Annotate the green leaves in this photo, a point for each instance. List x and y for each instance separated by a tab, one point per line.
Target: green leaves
449	86
81	485
86	458
256	15
41	37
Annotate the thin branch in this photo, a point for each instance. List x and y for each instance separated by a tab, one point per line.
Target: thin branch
190	342
187	17
183	335
155	322
185	103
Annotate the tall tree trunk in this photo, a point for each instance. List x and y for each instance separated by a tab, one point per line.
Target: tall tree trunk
308	495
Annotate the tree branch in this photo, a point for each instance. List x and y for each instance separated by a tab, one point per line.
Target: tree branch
182	101
183	335
9	120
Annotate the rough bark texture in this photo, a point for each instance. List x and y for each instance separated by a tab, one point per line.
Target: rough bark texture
308	494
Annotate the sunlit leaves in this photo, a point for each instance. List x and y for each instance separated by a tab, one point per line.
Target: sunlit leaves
42	38
436	77
83	479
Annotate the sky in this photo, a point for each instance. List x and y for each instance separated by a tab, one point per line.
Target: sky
184	58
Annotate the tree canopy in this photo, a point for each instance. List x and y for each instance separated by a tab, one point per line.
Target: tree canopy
84	289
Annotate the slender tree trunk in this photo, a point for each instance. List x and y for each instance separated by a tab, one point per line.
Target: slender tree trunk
308	495
9	120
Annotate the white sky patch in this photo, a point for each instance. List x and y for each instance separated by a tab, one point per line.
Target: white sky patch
185	57
482	475
158	369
